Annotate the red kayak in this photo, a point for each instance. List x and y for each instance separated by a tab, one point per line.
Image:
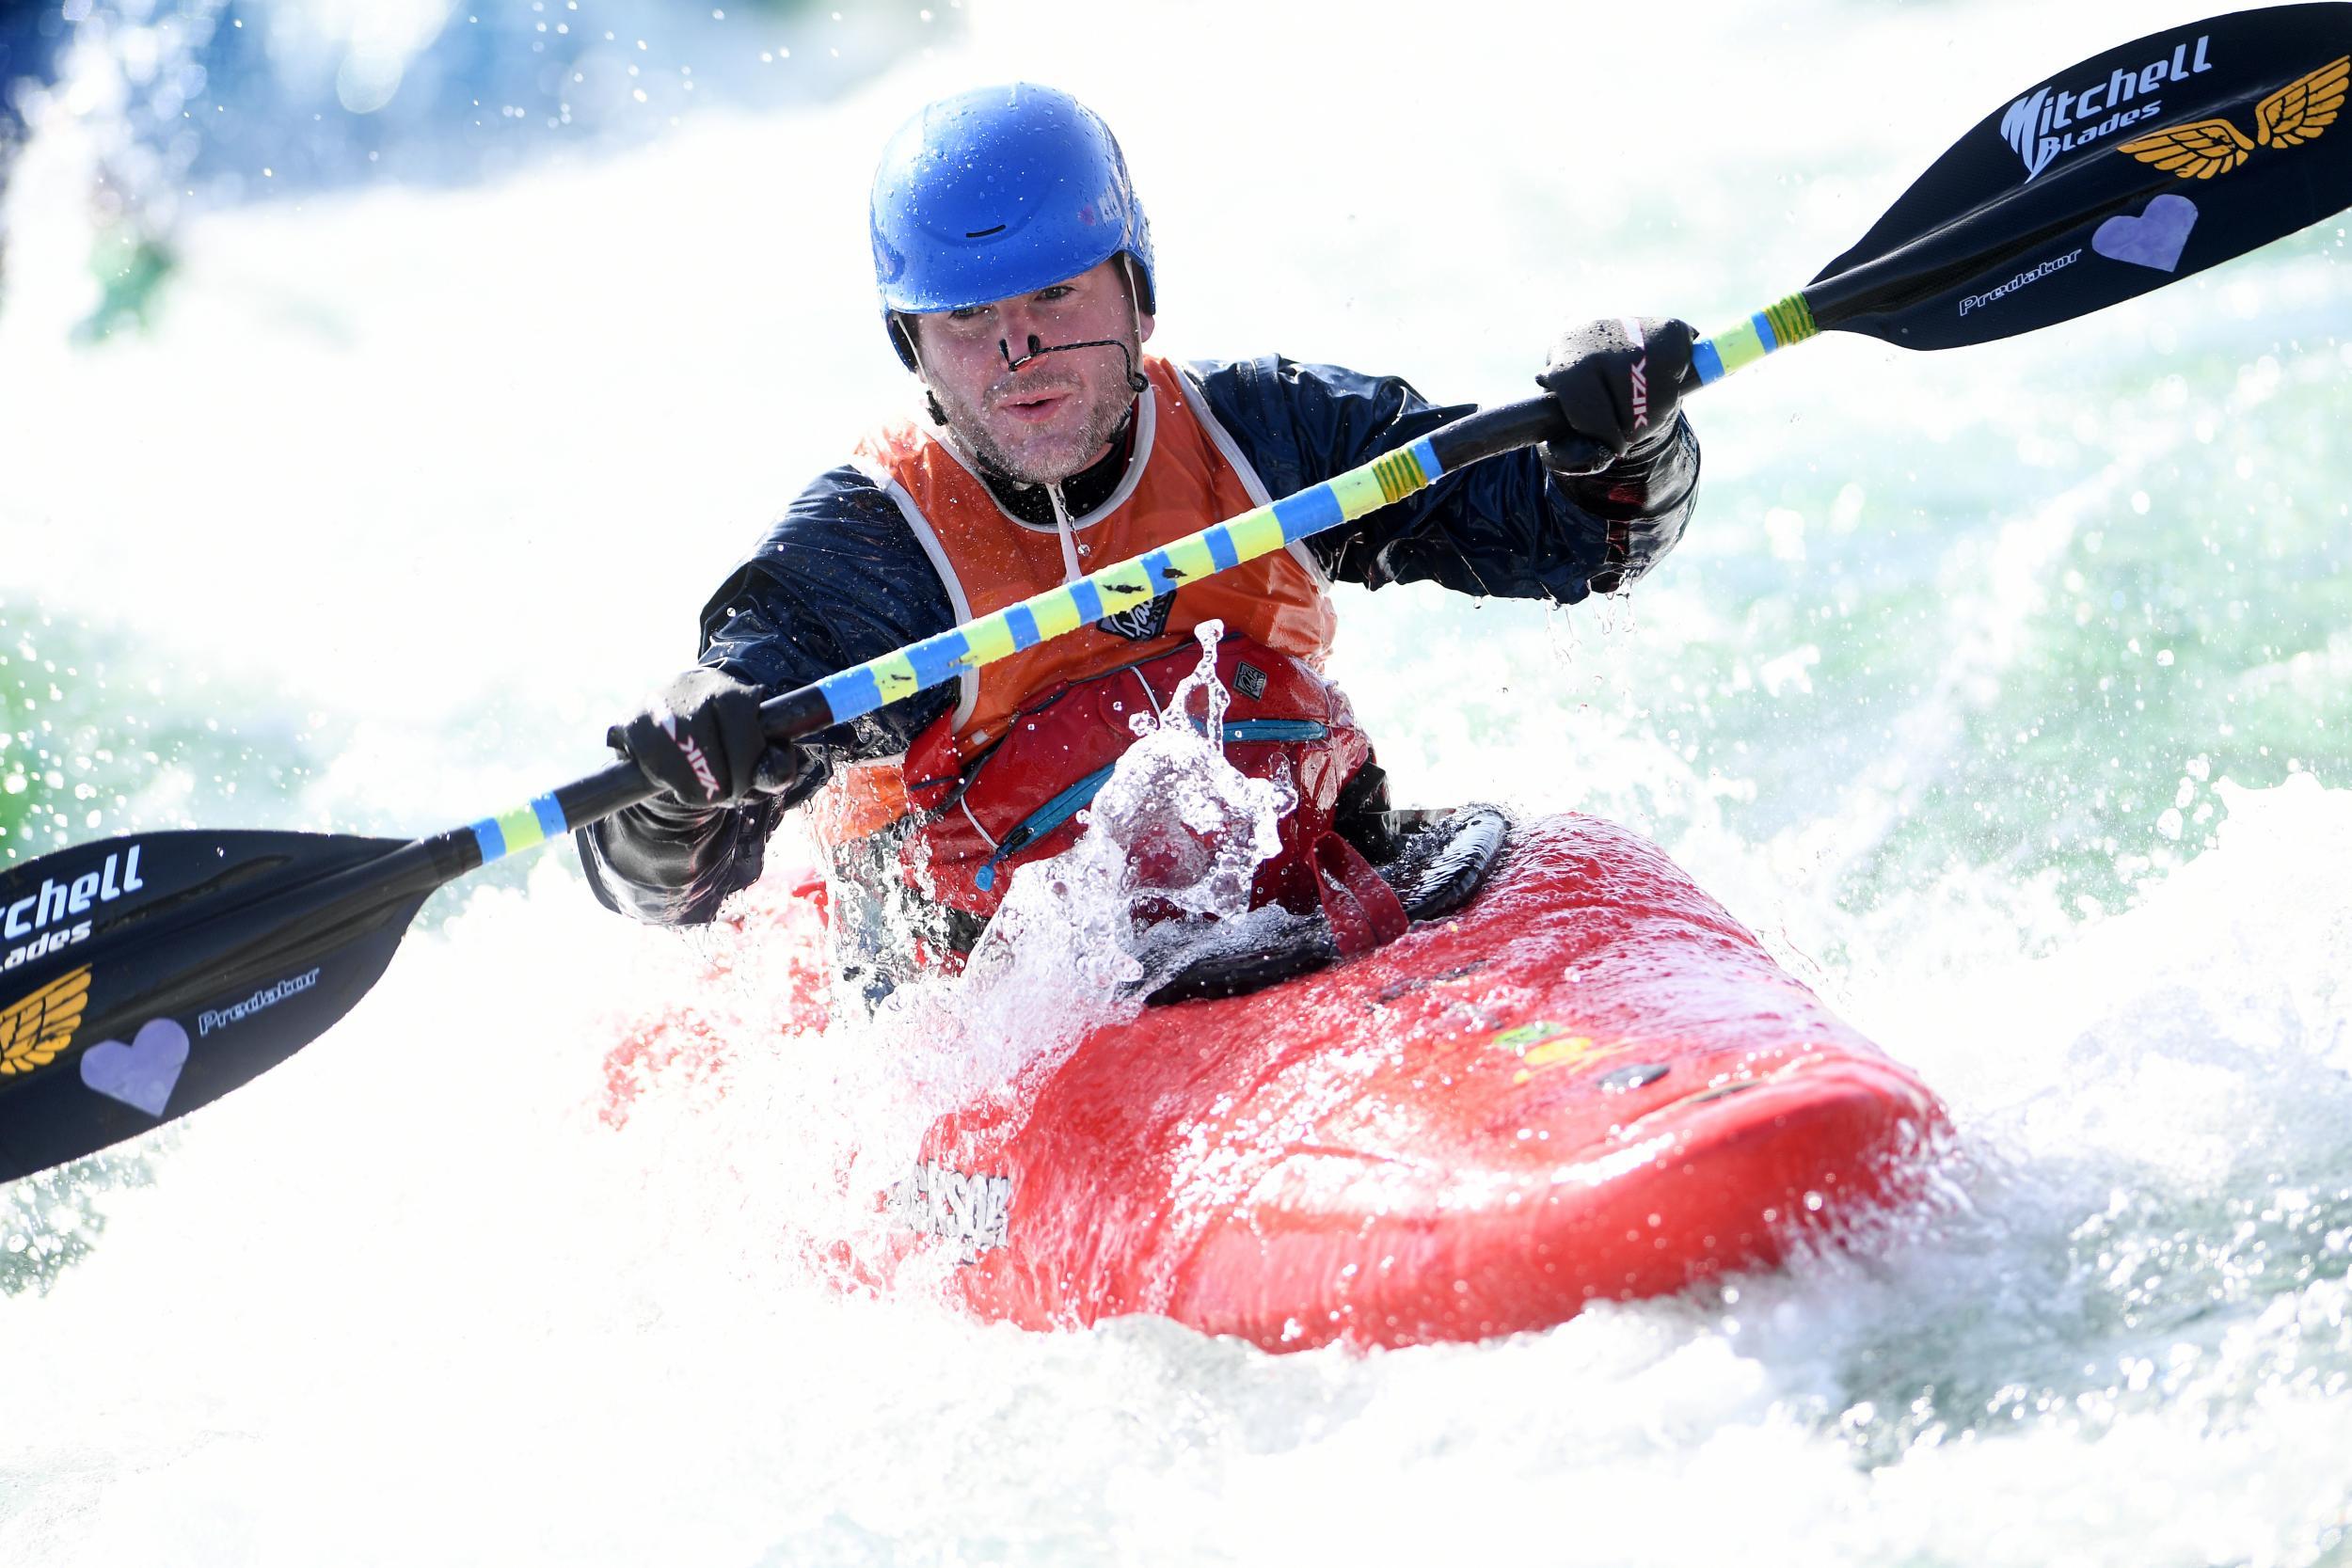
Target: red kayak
1591	1082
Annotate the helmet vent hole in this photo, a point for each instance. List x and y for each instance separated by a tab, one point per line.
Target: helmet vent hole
984	233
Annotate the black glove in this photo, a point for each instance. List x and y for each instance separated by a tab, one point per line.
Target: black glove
1618	382
700	740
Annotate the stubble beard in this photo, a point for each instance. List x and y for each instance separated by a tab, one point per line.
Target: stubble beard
1061	456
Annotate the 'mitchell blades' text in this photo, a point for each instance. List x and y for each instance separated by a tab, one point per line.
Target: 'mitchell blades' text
2046	122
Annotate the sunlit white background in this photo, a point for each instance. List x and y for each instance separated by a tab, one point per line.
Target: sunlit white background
411	486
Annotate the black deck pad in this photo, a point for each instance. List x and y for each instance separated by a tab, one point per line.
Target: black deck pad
1443	860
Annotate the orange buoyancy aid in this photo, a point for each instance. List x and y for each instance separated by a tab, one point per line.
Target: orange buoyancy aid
1186	474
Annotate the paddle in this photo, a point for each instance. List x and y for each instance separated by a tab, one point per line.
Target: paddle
143	976
2199	143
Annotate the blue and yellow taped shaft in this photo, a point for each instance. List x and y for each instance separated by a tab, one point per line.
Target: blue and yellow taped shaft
520	829
1775	326
936	660
1261	531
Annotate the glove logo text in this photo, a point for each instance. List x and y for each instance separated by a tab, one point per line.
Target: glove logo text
694	759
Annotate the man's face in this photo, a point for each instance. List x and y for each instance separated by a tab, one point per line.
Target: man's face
1055	415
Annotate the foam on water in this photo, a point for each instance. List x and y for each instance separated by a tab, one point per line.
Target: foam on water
1950	639
410	1298
1169	845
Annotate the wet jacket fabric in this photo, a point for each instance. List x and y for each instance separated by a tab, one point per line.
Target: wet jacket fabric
841	577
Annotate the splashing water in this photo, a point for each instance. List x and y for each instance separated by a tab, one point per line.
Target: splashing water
1176	833
1169	847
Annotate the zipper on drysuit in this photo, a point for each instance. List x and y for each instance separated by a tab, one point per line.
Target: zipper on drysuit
1077	796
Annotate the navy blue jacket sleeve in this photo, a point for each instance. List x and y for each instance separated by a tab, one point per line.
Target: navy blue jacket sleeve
1505	526
838	579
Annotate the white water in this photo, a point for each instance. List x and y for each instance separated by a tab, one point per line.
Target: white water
378	493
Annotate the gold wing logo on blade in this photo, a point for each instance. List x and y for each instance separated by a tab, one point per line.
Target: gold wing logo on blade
2300	111
36	1029
2294	115
2197	151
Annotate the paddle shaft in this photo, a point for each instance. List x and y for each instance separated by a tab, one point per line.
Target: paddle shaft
1917	271
838	698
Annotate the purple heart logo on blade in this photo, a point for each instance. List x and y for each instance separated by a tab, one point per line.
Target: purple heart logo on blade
2153	239
142	1073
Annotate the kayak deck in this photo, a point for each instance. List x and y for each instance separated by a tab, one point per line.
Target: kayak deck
1592	1084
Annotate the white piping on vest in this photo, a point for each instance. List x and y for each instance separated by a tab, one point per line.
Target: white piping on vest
1250	483
965	806
1071	570
967	684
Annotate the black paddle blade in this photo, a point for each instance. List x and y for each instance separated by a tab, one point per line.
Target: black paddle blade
2138	166
142	977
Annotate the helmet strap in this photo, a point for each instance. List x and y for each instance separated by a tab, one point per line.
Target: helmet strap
1134	293
915	352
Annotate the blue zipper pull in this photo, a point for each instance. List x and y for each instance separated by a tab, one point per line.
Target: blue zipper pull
985	878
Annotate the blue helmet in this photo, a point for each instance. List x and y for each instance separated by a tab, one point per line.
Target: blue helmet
999	192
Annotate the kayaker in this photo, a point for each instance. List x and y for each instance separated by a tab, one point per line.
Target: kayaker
1017	285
